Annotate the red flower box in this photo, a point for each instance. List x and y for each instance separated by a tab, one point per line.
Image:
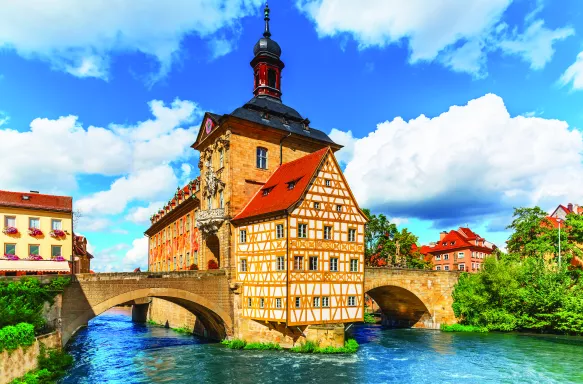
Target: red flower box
8	256
56	233
58	258
35	257
10	231
34	232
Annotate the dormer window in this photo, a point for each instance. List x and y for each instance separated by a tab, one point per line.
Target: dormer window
452	243
444	243
266	191
291	185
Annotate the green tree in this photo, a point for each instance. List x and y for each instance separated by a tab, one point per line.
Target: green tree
574	233
533	234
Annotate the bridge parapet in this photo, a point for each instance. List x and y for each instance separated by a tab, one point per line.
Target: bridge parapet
83	277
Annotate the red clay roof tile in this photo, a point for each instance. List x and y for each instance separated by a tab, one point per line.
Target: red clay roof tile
36	201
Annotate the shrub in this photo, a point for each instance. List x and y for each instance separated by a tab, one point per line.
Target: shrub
369	318
14	336
263	346
184	330
462	328
350	346
52	365
235	343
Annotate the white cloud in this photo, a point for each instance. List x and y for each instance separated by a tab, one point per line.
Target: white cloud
141	215
122	257
469	162
574	74
142	185
137	256
51	155
347	140
459	34
80	37
535	45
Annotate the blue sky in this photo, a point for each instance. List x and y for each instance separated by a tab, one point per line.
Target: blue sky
450	113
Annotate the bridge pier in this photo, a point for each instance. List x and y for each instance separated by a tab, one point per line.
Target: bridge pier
140	313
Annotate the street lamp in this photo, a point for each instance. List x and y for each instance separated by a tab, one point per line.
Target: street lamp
559	221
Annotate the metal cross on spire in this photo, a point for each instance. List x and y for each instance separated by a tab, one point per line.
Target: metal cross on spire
266	10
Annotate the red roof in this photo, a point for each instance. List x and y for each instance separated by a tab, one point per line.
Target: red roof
555	221
275	195
456	240
36	201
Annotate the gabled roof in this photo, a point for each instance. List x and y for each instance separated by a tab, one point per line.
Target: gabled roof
457	240
36	201
561	206
275	195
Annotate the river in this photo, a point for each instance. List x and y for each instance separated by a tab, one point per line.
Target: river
112	349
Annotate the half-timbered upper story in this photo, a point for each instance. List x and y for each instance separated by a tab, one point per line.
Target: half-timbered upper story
300	246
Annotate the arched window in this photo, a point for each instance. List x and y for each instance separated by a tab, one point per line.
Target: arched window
271	78
261	158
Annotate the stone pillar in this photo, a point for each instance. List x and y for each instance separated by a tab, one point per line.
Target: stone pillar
140	313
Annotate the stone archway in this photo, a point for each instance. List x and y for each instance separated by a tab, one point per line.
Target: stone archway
216	321
213	250
401	308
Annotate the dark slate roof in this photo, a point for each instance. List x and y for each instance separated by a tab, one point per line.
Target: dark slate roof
278	113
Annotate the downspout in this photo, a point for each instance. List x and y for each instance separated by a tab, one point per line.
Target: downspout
281	148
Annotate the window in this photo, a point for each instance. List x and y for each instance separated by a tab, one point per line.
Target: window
188	259
303	230
446	256
181	261
351	234
180	227
56	224
271	78
438	268
327	182
461	267
279	231
280	263
10	221
187	223
313	263
327	232
266	191
351	301
353	265
334	264
261	302
10	249
174	264
298	263
437	257
452	243
33	250
474	254
261	158
55	250
316	302
297	302
209	202
221	158
325	301
243	265
34	222
291	185
278	302
339	208
460	255
316	205
249	302
221	201
242	236
473	265
446	267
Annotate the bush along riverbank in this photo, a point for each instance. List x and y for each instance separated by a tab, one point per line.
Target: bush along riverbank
514	294
52	364
462	328
350	346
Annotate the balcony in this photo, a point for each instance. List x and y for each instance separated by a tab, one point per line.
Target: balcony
209	221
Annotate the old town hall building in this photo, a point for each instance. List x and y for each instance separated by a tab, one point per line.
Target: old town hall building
272	208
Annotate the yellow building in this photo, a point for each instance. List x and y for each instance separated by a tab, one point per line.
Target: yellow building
37	233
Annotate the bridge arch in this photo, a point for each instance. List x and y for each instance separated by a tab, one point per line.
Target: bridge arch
400	307
216	321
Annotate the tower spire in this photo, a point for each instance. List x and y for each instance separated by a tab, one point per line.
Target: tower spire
266	10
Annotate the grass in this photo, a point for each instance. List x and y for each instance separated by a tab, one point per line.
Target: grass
242	344
369	318
350	346
184	330
462	328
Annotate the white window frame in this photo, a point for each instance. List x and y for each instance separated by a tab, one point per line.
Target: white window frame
280	263
7	218
249	302
460	255
312	266
328	182
351	301
446	267
30	222
333	264
243	265
56	221
242	236
303	231
327	232
351	234
446	256
278	302
354	265
316	302
325	302
338	207
461	267
279	233
221	158
221	200
261	158
316	205
438	257
438	267
261	302
298	302
298	261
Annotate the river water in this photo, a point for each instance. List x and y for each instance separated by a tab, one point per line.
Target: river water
112	349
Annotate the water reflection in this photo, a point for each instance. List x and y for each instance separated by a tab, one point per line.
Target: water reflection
115	350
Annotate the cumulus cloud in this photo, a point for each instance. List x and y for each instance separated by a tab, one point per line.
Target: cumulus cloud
141	215
53	153
574	74
79	37
122	257
473	161
457	34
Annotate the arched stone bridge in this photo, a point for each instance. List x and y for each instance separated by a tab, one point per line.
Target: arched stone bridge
410	298
206	294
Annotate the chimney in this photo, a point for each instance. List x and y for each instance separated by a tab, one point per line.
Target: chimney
442	235
570	206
